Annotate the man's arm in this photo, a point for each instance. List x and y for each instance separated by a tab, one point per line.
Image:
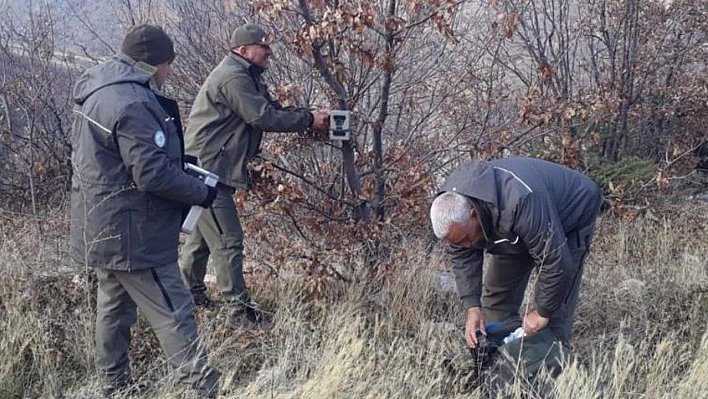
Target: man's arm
148	163
467	266
256	109
539	227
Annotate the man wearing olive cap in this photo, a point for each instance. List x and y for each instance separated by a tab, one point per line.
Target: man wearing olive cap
230	113
127	196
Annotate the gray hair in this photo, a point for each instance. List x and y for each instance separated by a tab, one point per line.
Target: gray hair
447	209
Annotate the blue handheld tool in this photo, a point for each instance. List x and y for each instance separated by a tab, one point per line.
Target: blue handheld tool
489	326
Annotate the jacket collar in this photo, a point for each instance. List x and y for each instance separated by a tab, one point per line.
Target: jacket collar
253	69
484	215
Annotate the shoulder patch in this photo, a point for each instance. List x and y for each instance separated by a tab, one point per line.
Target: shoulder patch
160	139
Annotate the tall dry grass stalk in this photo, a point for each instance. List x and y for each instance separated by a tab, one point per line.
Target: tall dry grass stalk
640	328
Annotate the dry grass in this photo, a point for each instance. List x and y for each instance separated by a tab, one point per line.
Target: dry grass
640	330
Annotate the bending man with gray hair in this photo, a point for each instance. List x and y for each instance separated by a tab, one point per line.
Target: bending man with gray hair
527	213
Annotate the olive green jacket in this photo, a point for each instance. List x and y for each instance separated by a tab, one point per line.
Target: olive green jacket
228	118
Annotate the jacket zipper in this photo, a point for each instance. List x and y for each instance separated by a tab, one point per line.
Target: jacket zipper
223	147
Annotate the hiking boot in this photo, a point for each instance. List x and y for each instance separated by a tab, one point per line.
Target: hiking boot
124	390
195	393
249	317
206	387
203	393
202	301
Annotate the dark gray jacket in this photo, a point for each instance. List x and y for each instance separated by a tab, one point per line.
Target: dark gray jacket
128	186
525	205
228	118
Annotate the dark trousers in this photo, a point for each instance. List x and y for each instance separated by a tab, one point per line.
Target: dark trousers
165	302
507	276
219	235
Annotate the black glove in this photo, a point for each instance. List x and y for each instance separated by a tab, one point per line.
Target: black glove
190	159
211	195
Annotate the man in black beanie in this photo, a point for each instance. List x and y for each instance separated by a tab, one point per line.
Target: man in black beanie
127	196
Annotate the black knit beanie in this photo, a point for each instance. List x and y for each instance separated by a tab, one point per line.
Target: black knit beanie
149	44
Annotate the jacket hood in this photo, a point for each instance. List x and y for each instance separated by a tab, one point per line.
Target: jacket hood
475	180
119	69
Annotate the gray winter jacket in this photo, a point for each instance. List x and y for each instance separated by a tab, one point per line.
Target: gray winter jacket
228	118
529	206
128	187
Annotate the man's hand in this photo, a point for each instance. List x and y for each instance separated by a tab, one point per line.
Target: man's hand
534	322
320	119
474	322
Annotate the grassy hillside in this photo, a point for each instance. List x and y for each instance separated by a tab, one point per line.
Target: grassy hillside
640	329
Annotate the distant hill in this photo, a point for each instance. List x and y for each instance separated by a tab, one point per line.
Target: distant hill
78	25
